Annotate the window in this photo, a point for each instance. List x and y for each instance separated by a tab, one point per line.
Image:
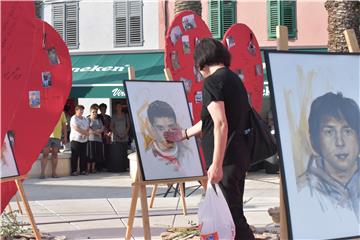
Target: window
222	14
65	19
128	23
281	13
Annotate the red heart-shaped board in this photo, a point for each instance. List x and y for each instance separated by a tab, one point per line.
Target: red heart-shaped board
42	103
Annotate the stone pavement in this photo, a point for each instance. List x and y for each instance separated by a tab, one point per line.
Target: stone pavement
97	206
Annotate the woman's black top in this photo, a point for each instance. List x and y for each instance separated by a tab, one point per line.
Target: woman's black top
224	85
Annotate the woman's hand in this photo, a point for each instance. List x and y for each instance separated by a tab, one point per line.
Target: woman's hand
175	135
215	173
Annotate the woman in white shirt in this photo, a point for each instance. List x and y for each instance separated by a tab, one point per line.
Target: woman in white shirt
78	139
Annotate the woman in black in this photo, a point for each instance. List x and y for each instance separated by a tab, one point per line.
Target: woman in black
224	118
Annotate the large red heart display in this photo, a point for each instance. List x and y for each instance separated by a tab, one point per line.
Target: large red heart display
42	101
17	37
185	30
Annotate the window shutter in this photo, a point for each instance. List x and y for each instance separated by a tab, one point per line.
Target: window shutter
71	25
58	18
135	23
288	10
229	15
121	32
273	17
215	18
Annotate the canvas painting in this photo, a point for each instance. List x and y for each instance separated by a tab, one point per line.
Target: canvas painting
8	167
315	99
157	107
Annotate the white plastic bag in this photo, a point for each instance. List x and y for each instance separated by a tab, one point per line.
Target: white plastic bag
214	216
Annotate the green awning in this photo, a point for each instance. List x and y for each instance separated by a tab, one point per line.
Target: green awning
102	75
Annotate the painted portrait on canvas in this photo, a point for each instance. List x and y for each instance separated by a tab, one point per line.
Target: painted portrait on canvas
316	101
157	107
8	167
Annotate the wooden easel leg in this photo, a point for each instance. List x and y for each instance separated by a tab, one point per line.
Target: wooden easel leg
145	212
153	194
204	185
134	198
18	203
27	208
182	195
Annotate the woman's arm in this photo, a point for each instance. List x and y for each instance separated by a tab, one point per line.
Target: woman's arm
81	131
177	135
194	130
217	112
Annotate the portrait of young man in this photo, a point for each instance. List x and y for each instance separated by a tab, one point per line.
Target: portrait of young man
170	158
333	171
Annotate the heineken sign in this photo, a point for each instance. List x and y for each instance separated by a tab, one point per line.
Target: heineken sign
97	68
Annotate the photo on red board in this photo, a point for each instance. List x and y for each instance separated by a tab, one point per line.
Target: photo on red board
175	60
53	57
258	70
34	99
187	83
230	42
198	76
46	79
186	44
189	22
175	34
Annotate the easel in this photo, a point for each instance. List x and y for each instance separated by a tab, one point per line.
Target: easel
139	186
351	40
20	188
282	44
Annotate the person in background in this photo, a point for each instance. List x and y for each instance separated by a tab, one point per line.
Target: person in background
78	139
224	119
68	117
120	126
106	136
94	105
94	146
54	145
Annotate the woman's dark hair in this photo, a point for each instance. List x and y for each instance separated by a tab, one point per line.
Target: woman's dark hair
336	106
158	109
210	52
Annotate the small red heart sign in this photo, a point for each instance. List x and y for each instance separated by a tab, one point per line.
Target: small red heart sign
185	30
41	102
16	54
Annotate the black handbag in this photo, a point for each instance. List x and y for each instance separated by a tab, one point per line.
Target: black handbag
261	141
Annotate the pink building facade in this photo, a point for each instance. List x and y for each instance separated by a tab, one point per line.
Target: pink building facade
311	21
